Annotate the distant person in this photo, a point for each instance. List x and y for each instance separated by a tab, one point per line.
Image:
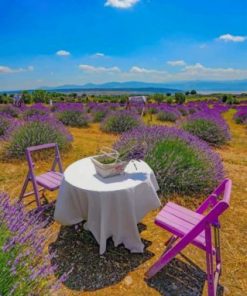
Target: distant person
18	100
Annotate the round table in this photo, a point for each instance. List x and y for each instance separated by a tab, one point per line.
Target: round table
111	206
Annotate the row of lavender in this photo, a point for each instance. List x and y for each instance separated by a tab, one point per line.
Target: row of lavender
39	123
112	116
240	116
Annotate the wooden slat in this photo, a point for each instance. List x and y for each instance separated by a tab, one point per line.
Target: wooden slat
180	221
51	185
48	179
180	224
181	209
41	147
52	176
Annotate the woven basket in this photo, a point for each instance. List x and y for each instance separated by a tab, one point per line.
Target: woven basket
115	167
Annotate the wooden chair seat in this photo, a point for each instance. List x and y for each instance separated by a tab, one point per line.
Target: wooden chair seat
179	221
50	180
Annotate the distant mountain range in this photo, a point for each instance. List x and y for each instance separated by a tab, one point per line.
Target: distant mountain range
116	86
214	86
148	87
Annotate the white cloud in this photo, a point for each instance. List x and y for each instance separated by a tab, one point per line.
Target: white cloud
176	63
30	68
188	72
138	70
232	38
62	53
198	71
93	69
99	54
7	70
121	3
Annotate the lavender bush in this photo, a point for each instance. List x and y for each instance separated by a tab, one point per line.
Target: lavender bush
4	126
25	268
210	127
168	114
7	126
182	163
36	109
99	112
73	118
152	108
241	115
120	121
38	130
183	110
60	107
71	114
9	110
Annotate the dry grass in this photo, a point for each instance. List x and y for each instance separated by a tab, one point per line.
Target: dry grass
234	221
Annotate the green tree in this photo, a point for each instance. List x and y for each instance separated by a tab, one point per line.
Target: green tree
180	98
193	92
40	96
169	100
27	97
158	98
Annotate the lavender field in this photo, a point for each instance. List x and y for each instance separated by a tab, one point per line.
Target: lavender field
191	147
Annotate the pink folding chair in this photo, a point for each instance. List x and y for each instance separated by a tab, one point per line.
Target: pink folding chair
195	227
50	180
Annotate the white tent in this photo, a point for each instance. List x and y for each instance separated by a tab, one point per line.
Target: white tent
138	99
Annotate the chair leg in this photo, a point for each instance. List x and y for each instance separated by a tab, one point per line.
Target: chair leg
218	270
169	243
210	264
24	187
36	193
217	246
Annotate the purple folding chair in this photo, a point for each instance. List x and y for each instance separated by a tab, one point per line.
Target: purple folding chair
50	180
195	227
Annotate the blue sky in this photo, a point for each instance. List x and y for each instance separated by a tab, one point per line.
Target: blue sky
51	42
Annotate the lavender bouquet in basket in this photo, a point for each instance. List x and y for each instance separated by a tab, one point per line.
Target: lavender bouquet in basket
110	162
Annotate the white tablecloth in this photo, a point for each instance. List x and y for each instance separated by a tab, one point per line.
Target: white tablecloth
112	206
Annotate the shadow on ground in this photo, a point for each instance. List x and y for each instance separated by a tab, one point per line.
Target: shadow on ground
45	213
180	278
77	248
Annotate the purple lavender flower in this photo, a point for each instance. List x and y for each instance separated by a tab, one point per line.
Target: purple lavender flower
168	113
9	110
99	111
35	109
189	164
8	125
208	126
60	107
26	264
36	130
120	121
241	115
